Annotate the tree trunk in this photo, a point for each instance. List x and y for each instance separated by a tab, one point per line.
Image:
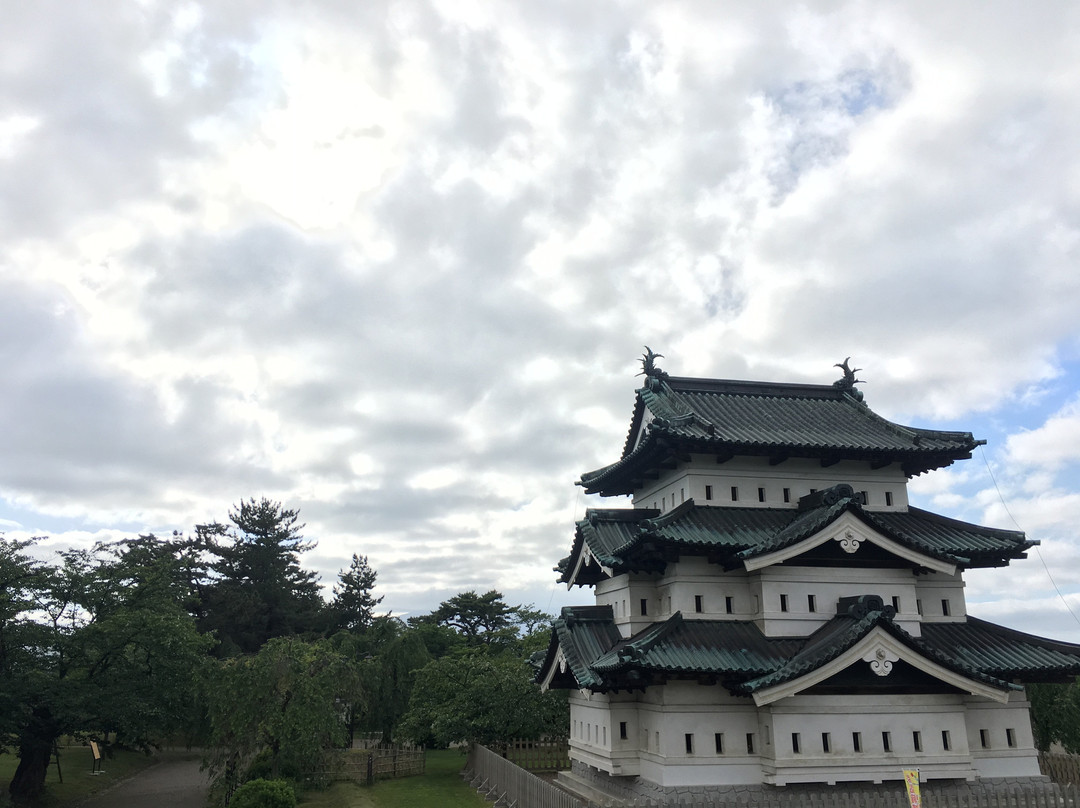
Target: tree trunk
36	742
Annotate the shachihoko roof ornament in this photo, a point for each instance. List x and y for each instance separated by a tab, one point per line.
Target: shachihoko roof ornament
848	381
654	376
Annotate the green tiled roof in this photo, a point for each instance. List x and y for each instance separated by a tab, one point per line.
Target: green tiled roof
843	631
731	418
583	633
738	655
1004	652
642	540
725	647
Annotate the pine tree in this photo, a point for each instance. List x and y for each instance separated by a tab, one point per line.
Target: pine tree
257	588
353	607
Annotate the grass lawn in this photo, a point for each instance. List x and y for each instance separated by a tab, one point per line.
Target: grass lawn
440	785
75	763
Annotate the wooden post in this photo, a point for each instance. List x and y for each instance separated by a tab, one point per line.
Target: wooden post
96	752
56	754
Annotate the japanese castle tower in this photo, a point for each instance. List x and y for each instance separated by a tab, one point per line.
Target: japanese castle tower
772	611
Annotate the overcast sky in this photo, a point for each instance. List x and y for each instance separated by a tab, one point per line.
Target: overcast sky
393	263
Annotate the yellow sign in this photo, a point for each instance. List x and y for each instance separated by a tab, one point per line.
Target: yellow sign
94	750
911	780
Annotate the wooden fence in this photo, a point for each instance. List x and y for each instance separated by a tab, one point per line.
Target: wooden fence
378	762
547	755
510	786
1060	768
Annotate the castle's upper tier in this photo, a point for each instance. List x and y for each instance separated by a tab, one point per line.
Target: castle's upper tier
675	417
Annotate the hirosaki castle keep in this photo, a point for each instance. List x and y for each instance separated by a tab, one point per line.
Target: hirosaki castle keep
771	611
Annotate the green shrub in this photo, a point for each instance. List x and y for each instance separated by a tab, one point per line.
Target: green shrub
260	768
264	794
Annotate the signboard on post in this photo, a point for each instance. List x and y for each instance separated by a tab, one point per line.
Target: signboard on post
96	752
911	781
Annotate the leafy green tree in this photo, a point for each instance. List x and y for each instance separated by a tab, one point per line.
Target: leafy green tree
256	589
353	607
100	643
481	697
486	621
287	701
1055	715
21	578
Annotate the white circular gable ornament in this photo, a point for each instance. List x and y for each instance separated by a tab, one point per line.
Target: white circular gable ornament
849	541
881	660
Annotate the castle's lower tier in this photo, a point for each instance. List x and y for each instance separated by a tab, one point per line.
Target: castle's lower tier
686	734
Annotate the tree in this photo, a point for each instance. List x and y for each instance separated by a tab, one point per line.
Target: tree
353	607
256	589
287	701
100	643
487	620
20	579
388	674
480	697
1055	715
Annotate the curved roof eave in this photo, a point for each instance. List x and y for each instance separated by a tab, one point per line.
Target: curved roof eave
902	546
861	643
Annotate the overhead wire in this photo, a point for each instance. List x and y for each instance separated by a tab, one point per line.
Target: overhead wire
1035	547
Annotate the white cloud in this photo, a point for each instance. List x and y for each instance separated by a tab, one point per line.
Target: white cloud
1051	446
393	262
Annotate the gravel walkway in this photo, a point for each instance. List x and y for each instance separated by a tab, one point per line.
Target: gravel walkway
175	782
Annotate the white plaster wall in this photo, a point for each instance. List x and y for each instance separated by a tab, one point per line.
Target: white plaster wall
668	714
932	589
590	730
840	717
693	575
998	758
749	474
827	585
659	720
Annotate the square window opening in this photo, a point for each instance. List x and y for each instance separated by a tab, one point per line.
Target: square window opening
945	610
749	743
856	741
916	740
729	604
718	741
708	492
688	739
888	498
787	495
699	603
1010	737
644	607
761	495
896	604
811	603
946	741
826	744
795	743
734	493
886	741
984	738
783	603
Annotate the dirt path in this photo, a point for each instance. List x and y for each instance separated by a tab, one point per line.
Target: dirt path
175	782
